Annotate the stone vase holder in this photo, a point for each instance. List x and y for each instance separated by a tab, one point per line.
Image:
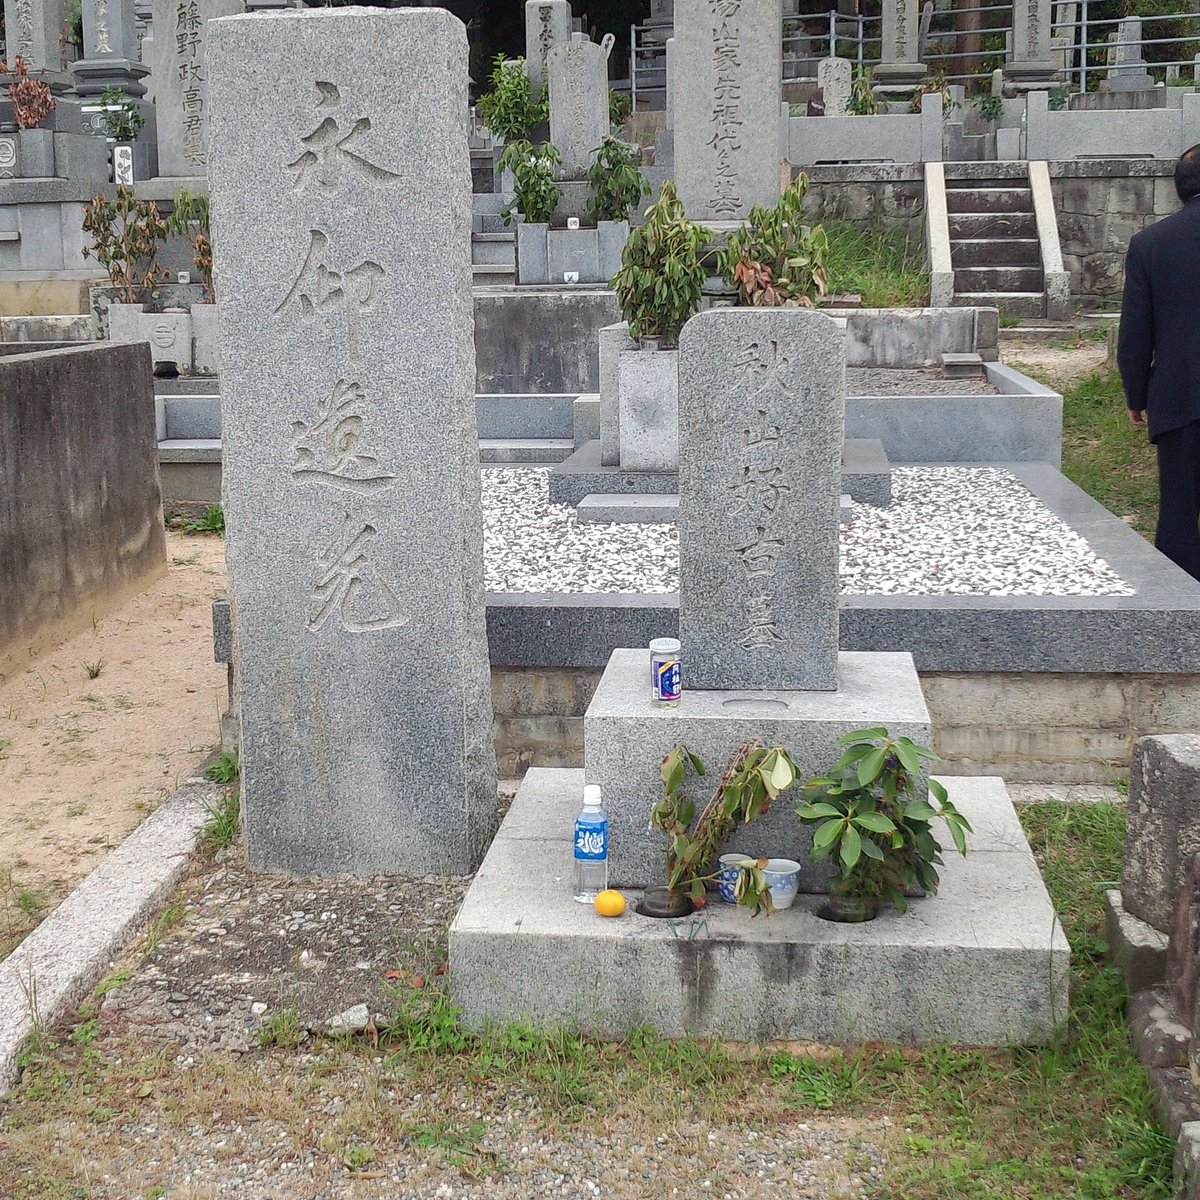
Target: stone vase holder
546	255
168	333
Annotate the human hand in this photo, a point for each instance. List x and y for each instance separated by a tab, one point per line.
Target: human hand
1137	417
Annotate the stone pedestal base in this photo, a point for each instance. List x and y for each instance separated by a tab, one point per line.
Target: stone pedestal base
1023	77
626	737
983	963
93	75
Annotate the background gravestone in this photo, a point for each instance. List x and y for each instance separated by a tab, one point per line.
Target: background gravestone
547	24
34	29
726	106
578	104
834	78
1163	830
181	81
761	419
351	470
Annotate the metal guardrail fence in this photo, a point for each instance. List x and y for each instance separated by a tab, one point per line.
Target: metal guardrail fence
1083	47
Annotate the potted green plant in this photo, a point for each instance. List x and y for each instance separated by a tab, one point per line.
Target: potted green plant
189	218
661	277
126	234
32	102
616	188
873	815
123	122
775	259
535	197
512	110
754	778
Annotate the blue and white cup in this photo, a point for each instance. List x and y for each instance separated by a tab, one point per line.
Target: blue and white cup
783	878
727	877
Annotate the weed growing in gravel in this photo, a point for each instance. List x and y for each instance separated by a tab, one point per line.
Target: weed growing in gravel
283	1029
357	1158
20	906
450	1142
224	770
93	669
222	824
213	521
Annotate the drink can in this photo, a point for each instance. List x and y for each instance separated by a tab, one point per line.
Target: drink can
666	671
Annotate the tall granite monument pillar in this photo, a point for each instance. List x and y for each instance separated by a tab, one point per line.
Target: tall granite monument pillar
1031	66
181	81
578	103
727	145
547	24
761	404
35	30
900	69
111	54
351	471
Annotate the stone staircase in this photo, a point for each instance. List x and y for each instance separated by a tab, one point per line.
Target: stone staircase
493	245
994	246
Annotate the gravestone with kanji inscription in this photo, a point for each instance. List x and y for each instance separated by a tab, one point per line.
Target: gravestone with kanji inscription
727	106
351	475
547	24
181	82
761	403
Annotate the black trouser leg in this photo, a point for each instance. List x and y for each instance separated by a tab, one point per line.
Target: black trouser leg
1178	536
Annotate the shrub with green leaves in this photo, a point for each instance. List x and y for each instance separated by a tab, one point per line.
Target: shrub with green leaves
126	233
617	184
863	101
872	819
620	106
661	278
535	194
512	108
123	120
774	259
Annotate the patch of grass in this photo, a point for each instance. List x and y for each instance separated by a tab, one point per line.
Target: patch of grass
213	521
20	908
450	1142
1102	453
357	1158
189	561
879	264
222	824
1010	320
93	669
283	1029
170	918
224	770
117	979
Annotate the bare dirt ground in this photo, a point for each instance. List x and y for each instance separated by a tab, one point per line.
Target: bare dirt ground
1065	362
84	760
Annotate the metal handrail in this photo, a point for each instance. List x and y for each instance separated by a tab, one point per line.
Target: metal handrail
1090	40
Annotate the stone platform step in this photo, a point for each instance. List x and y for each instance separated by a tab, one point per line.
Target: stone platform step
996	252
992	225
998	279
492	248
628	509
498	451
991	198
983	963
491	274
1016	304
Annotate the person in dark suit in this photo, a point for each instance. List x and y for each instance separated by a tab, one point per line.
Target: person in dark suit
1158	352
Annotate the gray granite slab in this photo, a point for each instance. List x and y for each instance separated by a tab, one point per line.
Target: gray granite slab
761	407
547	24
626	737
350	449
988	954
181	81
34	29
648	409
726	106
578	103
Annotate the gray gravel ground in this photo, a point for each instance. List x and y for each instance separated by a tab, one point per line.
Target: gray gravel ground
918	381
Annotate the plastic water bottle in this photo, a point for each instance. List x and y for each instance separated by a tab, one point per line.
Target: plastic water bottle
591	847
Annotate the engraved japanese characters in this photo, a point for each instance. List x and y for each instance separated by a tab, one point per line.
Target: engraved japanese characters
726	107
761	424
351	470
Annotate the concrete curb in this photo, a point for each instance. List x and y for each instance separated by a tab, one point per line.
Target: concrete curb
55	966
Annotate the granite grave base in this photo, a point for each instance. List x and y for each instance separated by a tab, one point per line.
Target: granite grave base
985	962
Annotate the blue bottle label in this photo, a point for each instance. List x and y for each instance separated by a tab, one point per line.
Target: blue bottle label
591	840
668	680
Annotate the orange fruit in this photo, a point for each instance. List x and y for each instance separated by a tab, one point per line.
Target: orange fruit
610	903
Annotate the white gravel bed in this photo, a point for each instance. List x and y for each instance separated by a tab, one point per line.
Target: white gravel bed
951	531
